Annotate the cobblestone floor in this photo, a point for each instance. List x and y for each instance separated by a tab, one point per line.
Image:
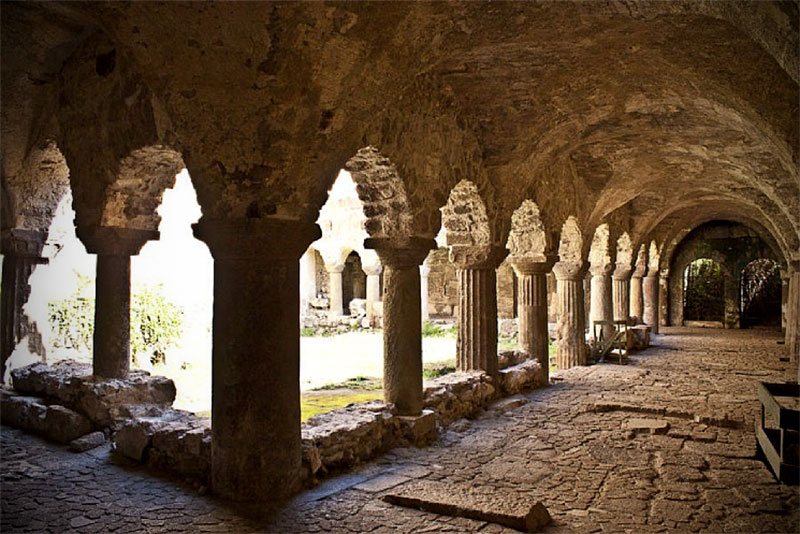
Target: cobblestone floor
570	445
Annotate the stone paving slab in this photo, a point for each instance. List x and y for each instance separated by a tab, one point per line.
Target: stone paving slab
581	464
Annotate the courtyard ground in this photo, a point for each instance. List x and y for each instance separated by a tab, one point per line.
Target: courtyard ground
574	446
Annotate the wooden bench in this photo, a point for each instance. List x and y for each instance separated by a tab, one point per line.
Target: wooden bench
780	405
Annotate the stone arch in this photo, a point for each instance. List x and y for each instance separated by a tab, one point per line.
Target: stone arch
624	251
527	237
383	194
131	201
600	253
466	224
571	242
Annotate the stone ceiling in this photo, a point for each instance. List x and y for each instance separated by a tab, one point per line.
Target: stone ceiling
651	116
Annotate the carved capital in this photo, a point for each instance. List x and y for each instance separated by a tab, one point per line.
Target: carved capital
267	239
604	269
527	266
401	253
568	270
622	272
21	242
372	270
477	257
114	241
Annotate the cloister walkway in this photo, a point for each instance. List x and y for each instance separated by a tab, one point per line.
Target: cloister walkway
574	446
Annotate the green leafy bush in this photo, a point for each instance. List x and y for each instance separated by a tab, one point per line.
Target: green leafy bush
155	322
430	329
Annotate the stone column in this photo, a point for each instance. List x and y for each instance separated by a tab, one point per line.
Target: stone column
663	298
621	294
571	338
111	354
373	273
424	271
476	343
22	252
402	323
793	312
637	297
255	401
335	298
308	278
731	296
532	310
650	297
602	306
785	277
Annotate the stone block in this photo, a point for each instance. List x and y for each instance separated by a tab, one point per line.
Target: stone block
26	413
520	377
64	425
87	442
640	337
509	403
103	401
418	430
648	426
495	507
134	438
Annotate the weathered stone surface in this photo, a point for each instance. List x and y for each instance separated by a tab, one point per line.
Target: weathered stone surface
503	509
520	377
55	422
104	402
651	426
458	395
640	337
87	442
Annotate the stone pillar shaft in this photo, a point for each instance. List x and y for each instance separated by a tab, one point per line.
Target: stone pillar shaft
112	313
111	357
255	445
793	314
402	323
21	253
424	271
602	306
476	344
621	293
637	299
650	297
534	338
373	294
663	299
335	296
571	342
731	295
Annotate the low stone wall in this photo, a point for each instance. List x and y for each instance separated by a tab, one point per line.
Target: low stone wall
337	440
53	421
105	402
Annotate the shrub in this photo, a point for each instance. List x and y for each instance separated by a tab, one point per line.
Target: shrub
155	322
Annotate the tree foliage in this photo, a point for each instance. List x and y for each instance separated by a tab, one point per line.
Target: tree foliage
155	322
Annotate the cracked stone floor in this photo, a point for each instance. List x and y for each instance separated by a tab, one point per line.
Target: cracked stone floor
583	446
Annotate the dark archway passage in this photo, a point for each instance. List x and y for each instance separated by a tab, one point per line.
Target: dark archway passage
760	290
703	294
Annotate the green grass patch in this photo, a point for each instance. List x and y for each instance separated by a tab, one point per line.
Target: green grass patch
315	403
430	329
357	383
309	331
437	369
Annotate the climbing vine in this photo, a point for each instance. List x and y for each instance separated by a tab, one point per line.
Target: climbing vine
155	322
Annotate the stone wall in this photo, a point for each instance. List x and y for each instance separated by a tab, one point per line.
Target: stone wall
443	287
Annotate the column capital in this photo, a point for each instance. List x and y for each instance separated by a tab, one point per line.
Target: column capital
250	239
113	240
481	257
529	266
622	272
401	253
603	269
21	242
372	270
334	267
568	270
